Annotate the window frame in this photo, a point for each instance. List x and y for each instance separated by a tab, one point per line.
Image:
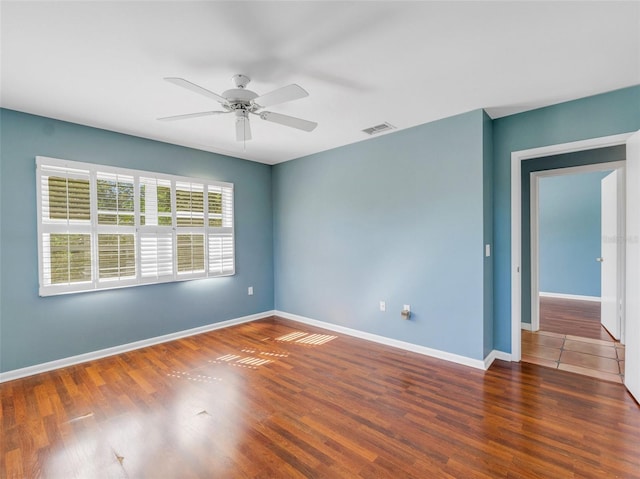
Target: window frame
45	167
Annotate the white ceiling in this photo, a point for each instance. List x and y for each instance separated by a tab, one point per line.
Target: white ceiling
363	63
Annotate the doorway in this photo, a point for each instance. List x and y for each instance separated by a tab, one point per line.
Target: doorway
517	233
573	289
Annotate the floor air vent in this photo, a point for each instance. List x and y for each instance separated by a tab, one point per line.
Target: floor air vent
382	127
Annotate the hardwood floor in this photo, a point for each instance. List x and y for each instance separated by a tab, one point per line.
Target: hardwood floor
276	399
572	317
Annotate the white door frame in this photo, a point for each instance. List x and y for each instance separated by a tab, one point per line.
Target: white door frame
535	224
517	157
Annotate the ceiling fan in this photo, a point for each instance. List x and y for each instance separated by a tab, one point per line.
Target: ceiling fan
242	103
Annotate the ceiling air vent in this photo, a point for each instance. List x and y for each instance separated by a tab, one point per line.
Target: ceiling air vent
382	127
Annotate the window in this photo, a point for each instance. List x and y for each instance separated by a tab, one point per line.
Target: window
101	227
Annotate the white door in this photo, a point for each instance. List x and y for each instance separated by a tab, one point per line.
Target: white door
632	297
609	255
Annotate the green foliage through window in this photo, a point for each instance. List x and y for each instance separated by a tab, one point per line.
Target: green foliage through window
115	202
190	253
189	207
70	258
69	199
155	203
215	209
116	256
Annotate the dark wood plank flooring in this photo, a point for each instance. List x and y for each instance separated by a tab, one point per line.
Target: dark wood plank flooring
574	317
276	399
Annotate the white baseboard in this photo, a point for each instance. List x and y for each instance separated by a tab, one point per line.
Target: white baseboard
434	353
495	354
102	353
526	326
578	297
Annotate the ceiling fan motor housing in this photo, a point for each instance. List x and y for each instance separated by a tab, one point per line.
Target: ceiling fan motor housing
239	98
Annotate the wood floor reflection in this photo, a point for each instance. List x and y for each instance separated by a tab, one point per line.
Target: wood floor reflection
572	317
276	399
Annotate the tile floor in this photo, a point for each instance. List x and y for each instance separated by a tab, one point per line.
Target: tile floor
591	357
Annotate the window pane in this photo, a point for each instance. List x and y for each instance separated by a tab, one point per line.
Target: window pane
126	220
155	202
190	253
164	199
116	256
115	199
215	203
105	219
69	198
70	258
143	199
107	195
189	204
215	207
125	196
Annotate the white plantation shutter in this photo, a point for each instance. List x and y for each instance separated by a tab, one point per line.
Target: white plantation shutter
190	254
227	207
64	227
65	195
102	227
190	214
156	256
115	199
116	249
189	204
155	202
221	254
67	259
156	236
116	257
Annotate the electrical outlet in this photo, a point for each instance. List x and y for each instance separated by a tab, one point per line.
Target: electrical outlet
250	291
407	307
383	306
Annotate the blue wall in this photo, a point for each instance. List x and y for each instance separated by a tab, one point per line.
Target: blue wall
397	218
401	218
35	330
569	233
601	115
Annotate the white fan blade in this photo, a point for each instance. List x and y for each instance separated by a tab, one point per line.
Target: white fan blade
281	95
191	115
196	89
243	129
287	120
